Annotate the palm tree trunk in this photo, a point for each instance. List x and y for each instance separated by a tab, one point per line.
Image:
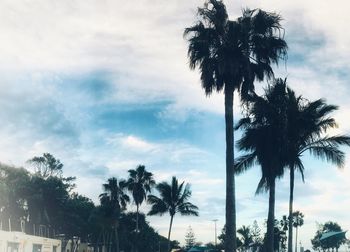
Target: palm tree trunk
290	219
271	218
230	239
116	236
137	217
137	227
171	224
296	239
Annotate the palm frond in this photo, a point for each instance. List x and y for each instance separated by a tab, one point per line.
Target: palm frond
245	162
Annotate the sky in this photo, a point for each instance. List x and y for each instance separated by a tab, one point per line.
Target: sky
104	85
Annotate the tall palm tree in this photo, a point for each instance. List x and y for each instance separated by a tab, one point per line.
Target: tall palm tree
308	122
264	139
173	199
230	56
140	183
114	200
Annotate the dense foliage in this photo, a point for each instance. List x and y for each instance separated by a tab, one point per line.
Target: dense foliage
44	203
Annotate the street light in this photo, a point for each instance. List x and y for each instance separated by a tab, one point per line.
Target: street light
215	220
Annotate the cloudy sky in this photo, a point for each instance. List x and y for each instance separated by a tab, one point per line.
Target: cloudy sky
104	85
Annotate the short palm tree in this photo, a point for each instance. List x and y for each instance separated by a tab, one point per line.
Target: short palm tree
140	183
308	123
173	199
230	56
246	237
264	138
114	200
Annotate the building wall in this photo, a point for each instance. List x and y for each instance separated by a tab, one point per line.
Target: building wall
20	242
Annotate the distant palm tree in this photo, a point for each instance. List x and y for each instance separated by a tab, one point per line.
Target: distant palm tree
173	199
114	200
308	122
246	237
264	139
140	183
230	56
298	221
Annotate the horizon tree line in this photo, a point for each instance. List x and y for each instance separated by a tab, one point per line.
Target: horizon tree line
45	199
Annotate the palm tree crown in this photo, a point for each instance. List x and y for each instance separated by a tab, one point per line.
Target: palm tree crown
140	183
115	194
234	53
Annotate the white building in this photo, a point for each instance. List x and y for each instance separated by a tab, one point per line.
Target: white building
20	242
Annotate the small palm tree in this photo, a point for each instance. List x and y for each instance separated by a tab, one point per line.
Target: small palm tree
173	199
140	183
246	237
114	200
230	56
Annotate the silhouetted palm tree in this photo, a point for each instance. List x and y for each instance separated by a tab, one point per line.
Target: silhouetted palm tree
114	200
247	238
230	56
173	199
140	183
308	122
264	139
305	125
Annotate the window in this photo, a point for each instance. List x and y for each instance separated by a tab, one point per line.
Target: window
37	247
54	249
12	247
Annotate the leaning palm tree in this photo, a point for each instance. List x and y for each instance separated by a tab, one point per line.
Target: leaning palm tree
308	124
173	199
114	200
264	139
140	183
231	55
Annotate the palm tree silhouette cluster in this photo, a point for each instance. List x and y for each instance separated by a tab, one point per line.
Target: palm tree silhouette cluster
173	198
278	127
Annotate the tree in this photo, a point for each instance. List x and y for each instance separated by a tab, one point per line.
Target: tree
14	184
264	138
114	199
330	243
230	56
140	183
246	237
222	238
173	199
46	165
298	221
256	236
190	239
308	124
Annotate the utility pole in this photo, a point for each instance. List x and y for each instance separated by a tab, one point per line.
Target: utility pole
215	220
